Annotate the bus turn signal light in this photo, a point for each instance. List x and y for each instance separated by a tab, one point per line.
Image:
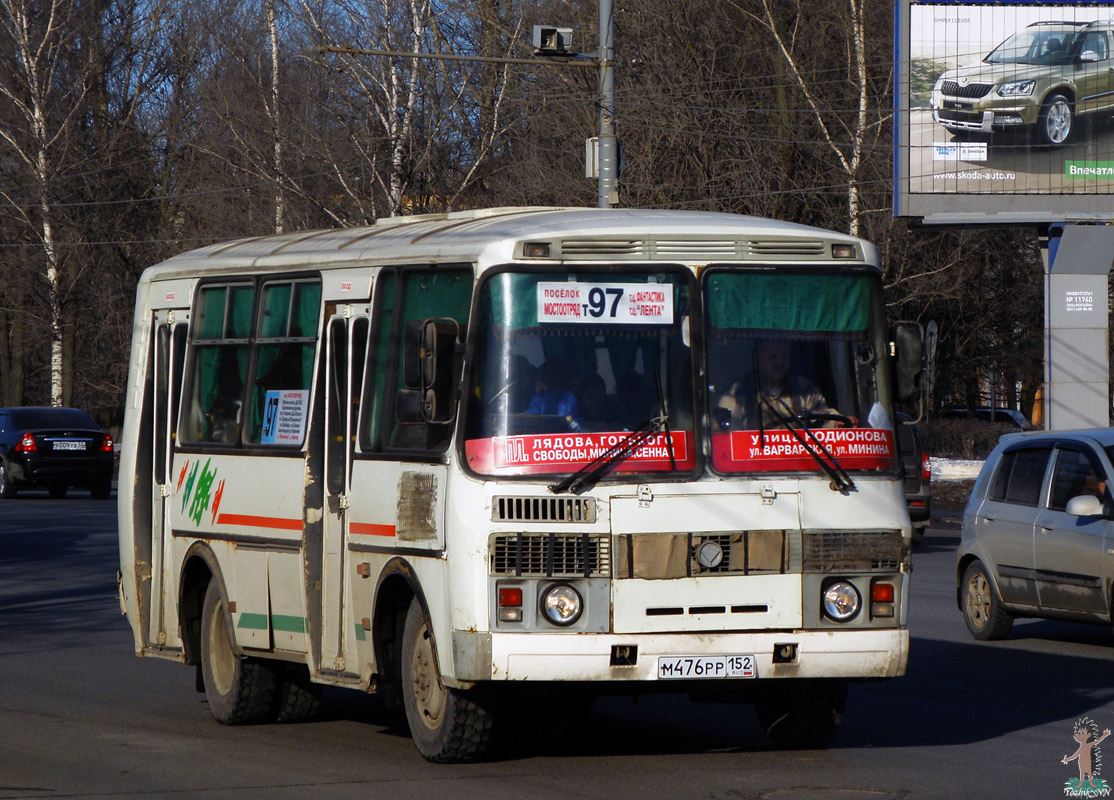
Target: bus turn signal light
881	600
510	604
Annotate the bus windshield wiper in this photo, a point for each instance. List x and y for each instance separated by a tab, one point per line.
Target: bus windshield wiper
841	481
587	476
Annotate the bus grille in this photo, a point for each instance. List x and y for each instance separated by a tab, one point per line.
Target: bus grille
543	509
697	250
787	247
655	556
853	551
552	555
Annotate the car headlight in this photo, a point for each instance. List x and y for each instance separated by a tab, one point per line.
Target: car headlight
1017	88
562	604
840	601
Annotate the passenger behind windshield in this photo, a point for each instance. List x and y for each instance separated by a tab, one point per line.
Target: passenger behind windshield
551	396
782	392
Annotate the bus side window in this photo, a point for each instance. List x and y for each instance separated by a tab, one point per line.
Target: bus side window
287	345
221	346
427	294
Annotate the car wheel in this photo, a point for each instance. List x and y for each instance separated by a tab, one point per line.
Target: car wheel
1054	126
57	492
447	725
918	533
802	714
239	690
982	610
7	486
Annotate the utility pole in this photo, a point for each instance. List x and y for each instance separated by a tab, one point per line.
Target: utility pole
603	153
608	142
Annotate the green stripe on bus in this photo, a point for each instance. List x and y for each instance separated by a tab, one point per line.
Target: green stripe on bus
288	624
279	622
253	621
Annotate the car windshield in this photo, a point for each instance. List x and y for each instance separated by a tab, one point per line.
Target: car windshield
1035	46
795	372
569	364
31	418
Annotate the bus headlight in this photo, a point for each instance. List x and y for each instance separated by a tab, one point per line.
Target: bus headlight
561	604
840	601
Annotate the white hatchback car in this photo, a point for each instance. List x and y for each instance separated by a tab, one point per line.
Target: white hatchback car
1038	532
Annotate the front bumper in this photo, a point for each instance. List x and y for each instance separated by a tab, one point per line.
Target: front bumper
870	653
985	120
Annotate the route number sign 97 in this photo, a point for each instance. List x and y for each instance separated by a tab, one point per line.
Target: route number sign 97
611	303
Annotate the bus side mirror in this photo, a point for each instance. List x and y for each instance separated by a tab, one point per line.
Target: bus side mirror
428	371
909	367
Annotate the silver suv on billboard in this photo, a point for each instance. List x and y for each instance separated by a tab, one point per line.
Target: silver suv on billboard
1040	80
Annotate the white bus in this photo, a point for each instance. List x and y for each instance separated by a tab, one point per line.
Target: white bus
454	457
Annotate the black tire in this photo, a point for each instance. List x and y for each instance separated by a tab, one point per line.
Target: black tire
1056	121
918	533
7	485
299	698
447	725
101	491
239	690
982	608
57	492
802	714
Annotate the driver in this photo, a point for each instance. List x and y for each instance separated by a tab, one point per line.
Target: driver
789	393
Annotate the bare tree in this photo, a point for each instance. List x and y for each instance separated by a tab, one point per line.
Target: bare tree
40	37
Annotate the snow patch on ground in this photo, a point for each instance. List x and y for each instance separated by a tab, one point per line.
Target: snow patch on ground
950	469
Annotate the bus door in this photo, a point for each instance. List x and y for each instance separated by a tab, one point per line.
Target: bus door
346	351
171	327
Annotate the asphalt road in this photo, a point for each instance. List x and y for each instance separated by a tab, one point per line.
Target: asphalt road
81	717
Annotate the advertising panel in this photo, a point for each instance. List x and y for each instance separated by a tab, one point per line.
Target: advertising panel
1005	112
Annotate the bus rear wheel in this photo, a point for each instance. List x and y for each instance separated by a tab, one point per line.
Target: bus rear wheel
800	714
447	725
239	690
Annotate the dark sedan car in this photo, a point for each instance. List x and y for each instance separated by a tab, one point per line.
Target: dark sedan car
53	449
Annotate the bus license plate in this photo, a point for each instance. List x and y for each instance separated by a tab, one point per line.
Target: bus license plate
69	445
707	667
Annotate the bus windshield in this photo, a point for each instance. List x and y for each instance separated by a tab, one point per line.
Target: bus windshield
568	364
795	372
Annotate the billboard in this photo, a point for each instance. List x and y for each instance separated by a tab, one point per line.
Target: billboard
1004	112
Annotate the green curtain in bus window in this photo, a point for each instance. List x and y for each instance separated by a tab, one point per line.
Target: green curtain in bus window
807	302
307	310
239	321
210	313
276	305
208	373
272	324
514	299
437	294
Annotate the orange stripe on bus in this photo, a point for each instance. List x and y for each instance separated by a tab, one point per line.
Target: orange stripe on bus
371	528
250	521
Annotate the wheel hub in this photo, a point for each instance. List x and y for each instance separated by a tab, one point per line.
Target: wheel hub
427	688
978	600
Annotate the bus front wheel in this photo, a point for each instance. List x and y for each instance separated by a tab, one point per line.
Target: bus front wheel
239	690
802	714
447	725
